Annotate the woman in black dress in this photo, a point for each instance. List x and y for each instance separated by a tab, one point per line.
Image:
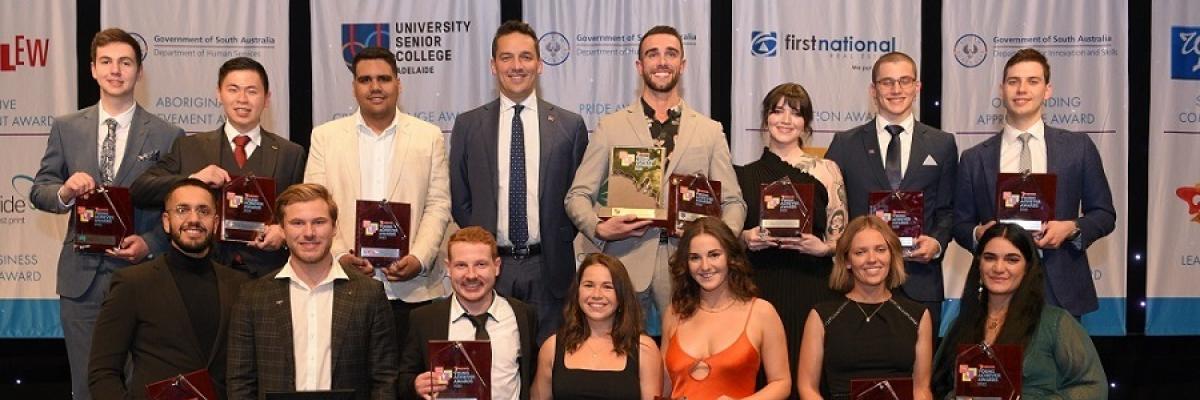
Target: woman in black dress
599	351
792	273
868	333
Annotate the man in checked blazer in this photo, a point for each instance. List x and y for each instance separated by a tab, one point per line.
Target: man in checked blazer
311	326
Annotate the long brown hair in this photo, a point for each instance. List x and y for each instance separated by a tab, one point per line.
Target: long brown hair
685	292
627	320
841	279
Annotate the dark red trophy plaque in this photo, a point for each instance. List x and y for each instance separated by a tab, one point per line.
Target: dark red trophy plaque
247	207
692	197
988	372
465	366
1025	199
785	208
104	218
381	235
904	212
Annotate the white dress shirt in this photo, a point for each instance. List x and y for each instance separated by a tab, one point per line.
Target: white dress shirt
312	327
1010	148
375	153
529	120
124	120
255	136
885	139
505	340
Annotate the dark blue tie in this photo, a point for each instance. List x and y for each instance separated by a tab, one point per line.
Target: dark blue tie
518	223
892	164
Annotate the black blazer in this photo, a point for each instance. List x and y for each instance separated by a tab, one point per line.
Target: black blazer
432	322
857	154
144	316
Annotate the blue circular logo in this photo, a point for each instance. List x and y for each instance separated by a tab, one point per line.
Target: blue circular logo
970	50
555	47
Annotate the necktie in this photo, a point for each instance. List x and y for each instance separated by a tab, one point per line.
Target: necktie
108	152
239	149
518	224
1026	159
480	322
892	164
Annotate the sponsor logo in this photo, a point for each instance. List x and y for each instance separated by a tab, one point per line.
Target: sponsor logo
555	48
1185	52
141	43
356	37
23	51
970	50
1191	196
764	44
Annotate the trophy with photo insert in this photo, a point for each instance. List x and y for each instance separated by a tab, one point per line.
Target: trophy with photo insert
635	177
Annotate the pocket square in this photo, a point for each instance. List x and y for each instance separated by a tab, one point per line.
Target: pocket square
151	156
929	161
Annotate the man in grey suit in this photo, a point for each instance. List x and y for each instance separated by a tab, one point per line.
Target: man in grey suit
693	143
312	325
241	147
495	184
916	158
109	144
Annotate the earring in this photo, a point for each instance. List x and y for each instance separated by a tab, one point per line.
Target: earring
979	293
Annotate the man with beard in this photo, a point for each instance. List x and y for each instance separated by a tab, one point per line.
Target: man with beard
169	314
694	144
311	326
509	172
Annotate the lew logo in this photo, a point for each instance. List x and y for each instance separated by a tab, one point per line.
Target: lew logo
23	52
764	44
1185	52
356	37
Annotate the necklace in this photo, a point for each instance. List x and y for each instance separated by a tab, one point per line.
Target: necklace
994	322
864	311
715	310
590	349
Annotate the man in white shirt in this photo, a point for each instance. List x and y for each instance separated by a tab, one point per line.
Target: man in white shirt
474	312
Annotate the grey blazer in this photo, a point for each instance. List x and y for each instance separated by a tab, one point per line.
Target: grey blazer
73	147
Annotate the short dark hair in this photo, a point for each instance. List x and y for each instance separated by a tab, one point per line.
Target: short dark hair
796	97
894	56
116	35
374	53
519	27
244	64
188	182
1024	55
661	30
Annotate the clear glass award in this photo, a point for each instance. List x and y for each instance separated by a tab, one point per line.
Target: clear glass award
195	385
900	388
104	218
635	178
381	236
464	366
247	207
691	197
785	208
988	372
904	212
1025	199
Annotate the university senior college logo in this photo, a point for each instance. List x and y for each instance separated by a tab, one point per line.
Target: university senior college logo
764	44
970	50
356	37
555	47
1185	52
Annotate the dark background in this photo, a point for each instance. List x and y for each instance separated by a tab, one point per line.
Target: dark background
1138	366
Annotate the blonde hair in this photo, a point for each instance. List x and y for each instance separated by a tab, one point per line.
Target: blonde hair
302	192
841	279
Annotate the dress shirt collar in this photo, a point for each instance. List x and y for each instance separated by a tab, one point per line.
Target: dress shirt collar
530	102
124	118
255	134
1038	130
907	123
364	129
335	273
495	311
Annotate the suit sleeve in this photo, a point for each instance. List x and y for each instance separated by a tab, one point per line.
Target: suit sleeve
150	189
1081	375
115	330
51	175
241	367
966	216
585	188
314	168
834	152
412	360
437	207
383	347
943	215
720	168
460	186
1099	216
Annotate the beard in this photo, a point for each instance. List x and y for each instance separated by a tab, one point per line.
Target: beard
647	78
194	247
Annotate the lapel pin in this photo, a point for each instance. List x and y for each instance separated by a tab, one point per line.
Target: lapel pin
550	118
278	302
871	151
274	147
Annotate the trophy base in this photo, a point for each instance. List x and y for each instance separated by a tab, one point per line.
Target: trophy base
658	215
1029	225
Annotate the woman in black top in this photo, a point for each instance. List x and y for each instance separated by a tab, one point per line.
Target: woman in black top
868	333
599	351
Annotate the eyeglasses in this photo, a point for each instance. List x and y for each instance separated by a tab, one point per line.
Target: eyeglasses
905	82
184	211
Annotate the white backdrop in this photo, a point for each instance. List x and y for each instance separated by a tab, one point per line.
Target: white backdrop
827	47
1086	43
1173	237
589	48
185	43
37	82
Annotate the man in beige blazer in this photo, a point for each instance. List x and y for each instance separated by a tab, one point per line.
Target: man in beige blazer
381	153
694	143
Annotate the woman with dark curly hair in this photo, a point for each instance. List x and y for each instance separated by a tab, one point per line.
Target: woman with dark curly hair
712	296
599	351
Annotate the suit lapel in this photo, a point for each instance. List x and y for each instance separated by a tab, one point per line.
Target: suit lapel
280	302
401	145
683	140
991	168
548	129
1054	165
138	130
226	290
269	152
351	159
343	307
91	132
870	144
174	301
916	153
637	121
491	139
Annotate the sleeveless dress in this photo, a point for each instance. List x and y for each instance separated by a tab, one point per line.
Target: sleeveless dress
855	347
568	383
732	371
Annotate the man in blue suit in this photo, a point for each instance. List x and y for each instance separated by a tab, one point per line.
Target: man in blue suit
916	157
1026	143
511	163
111	144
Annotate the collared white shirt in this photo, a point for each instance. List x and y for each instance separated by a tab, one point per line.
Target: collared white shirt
505	339
532	135
124	120
312	327
1010	148
375	154
254	134
885	139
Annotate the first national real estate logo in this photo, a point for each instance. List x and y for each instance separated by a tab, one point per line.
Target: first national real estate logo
764	44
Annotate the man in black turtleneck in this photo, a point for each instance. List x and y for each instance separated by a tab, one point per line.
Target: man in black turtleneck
169	313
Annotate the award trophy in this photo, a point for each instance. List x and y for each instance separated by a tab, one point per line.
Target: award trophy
691	197
904	212
635	177
1025	199
247	207
195	385
465	366
105	217
988	372
881	389
381	236
785	208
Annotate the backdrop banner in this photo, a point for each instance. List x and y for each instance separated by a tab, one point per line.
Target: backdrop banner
1086	43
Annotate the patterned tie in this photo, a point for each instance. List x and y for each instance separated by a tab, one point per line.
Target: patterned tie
518	224
1026	158
480	322
239	149
108	152
892	164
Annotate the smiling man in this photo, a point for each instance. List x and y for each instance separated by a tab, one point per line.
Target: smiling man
511	163
240	147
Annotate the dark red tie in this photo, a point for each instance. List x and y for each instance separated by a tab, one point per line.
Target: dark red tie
239	149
